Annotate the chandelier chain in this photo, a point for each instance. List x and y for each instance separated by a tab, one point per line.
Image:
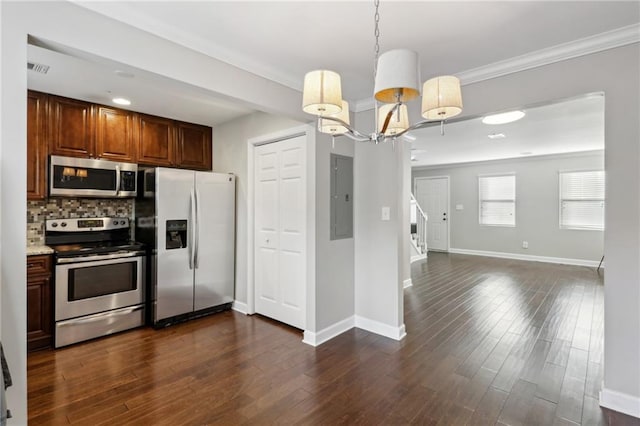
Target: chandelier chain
376	33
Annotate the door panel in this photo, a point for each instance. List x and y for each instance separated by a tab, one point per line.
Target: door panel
174	276
433	196
214	276
280	239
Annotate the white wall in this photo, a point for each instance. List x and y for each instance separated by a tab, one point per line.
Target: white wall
230	155
615	72
537	217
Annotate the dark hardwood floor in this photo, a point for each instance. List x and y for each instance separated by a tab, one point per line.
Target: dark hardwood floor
490	341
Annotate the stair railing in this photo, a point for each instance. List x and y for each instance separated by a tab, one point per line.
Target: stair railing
421	225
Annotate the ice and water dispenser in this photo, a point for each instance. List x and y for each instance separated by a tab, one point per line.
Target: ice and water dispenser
176	234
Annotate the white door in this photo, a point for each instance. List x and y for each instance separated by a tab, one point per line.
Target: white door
280	237
433	196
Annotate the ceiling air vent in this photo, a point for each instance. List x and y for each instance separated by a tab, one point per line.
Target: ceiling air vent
42	69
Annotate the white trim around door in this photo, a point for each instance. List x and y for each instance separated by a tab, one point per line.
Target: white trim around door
309	132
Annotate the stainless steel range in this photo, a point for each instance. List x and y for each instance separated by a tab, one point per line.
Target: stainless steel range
99	278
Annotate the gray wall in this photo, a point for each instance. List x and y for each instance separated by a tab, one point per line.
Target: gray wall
230	156
536	208
378	177
334	259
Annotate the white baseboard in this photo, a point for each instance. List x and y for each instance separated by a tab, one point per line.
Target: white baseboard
621	402
532	258
396	333
328	333
418	257
240	307
407	283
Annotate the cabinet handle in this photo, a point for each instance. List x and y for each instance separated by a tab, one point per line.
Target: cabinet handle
30	265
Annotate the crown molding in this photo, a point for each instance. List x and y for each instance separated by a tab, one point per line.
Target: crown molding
561	52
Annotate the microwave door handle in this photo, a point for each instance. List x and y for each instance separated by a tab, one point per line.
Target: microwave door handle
117	180
192	225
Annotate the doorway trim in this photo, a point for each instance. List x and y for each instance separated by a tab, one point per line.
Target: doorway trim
415	191
309	132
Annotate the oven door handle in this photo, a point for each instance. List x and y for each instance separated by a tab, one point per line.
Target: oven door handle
66	260
100	316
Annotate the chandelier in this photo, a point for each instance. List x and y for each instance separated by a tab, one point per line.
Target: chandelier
396	76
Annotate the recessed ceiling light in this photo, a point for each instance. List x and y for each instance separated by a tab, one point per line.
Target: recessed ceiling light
413	158
526	153
497	136
503	118
121	101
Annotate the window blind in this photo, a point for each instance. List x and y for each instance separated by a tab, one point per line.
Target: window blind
497	200
582	200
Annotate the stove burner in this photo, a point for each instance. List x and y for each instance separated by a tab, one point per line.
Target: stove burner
100	247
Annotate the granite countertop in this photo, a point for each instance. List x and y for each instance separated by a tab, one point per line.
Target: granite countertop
34	250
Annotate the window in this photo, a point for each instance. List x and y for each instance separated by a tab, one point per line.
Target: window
582	200
497	200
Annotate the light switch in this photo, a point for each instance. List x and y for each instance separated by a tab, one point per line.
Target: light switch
459	207
386	213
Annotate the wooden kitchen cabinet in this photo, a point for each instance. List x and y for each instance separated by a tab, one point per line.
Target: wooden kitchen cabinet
156	141
36	146
115	134
71	127
193	146
39	303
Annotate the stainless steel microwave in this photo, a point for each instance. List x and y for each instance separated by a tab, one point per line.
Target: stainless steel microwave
84	177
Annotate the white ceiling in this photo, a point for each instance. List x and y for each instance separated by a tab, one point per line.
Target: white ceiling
573	125
284	40
281	41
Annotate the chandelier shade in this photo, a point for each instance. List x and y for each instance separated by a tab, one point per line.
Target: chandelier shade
397	76
398	122
441	98
322	93
334	127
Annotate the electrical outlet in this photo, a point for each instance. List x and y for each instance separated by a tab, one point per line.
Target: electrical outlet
525	244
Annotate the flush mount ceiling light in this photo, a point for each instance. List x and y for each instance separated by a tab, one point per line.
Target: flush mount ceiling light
396	76
121	101
503	118
497	136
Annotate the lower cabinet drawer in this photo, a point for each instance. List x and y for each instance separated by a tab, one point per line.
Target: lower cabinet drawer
91	326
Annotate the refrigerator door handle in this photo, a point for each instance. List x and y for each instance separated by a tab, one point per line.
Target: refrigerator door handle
192	227
196	256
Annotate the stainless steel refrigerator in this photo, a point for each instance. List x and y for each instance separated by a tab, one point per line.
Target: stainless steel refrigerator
187	221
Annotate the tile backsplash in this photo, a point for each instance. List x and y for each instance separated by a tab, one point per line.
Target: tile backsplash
60	208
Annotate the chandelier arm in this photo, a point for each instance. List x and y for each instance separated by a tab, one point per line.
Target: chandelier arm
388	118
418	125
351	130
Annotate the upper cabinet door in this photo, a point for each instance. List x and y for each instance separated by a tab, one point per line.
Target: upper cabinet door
193	146
114	134
71	125
156	141
36	146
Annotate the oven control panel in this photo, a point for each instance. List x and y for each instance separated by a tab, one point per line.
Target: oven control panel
86	224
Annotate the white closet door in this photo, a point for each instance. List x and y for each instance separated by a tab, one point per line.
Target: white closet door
280	224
